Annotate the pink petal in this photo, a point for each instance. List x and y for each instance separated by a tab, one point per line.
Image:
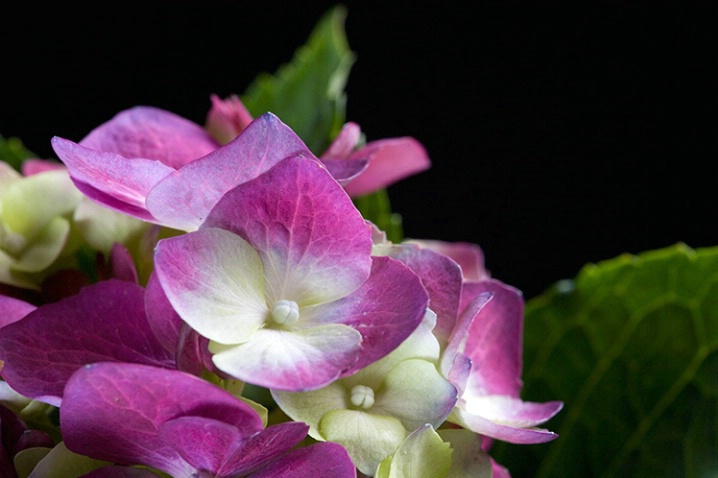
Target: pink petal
344	170
345	142
314	244
114	412
513	422
34	166
122	266
328	460
151	133
13	310
111	179
183	199
227	118
441	277
104	322
219	448
117	471
495	342
469	256
161	316
390	161
455	363
385	310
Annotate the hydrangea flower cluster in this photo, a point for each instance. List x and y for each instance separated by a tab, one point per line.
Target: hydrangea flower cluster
212	300
231	260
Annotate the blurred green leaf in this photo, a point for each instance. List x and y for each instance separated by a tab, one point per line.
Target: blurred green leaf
14	152
631	347
308	93
376	207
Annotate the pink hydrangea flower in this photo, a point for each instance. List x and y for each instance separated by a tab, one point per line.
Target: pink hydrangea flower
280	279
130	414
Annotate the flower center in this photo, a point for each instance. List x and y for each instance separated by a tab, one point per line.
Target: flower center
285	312
362	396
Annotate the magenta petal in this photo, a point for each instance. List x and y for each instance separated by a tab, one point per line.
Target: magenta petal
389	161
328	460
193	354
469	256
202	442
183	199
161	316
114	411
219	448
151	133
385	309
442	278
122	265
117	471
454	360
13	310
104	322
35	166
494	342
507	433
344	170
111	179
345	142
312	240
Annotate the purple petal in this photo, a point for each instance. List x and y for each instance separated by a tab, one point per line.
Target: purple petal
193	354
104	322
151	133
454	360
345	142
328	460
122	265
112	179
314	244
494	342
512	433
219	448
184	198
161	316
390	160
227	118
117	471
385	309
344	170
114	411
202	442
35	166
264	446
13	310
441	277
469	256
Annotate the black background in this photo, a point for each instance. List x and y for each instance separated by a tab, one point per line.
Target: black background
560	133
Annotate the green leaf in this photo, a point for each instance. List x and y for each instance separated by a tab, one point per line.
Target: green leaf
631	347
375	207
308	93
14	152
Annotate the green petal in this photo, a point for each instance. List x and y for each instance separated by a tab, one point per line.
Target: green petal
416	393
310	407
62	463
468	459
367	437
45	248
423	454
29	204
